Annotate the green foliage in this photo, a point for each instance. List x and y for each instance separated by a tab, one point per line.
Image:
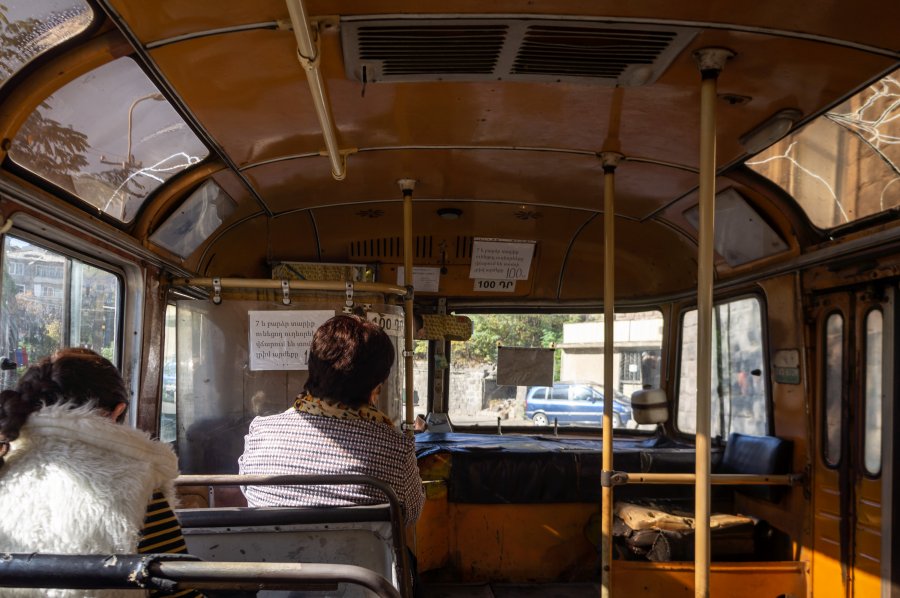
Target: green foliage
512	330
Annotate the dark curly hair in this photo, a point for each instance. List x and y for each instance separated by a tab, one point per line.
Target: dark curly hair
348	358
72	376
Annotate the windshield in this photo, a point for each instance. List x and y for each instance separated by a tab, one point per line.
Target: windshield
572	392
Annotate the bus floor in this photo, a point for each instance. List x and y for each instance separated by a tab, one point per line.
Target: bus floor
500	590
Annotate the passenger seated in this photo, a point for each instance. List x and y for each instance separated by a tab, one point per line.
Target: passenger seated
334	428
73	481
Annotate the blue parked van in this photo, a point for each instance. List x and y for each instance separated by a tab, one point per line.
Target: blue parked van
573	403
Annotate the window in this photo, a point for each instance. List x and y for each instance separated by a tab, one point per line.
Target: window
28	28
873	392
475	398
66	308
741	234
834	381
630	367
843	165
109	138
168	431
195	220
738	378
581	393
15	268
48	271
420	377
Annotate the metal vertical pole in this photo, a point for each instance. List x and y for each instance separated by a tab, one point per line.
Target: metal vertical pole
610	160
710	61
407	186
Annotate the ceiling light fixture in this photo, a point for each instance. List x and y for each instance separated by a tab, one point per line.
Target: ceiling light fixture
770	131
449	213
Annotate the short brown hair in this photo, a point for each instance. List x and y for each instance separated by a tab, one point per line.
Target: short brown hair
348	358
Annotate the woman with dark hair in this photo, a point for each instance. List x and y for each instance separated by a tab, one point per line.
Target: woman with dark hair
72	481
334	427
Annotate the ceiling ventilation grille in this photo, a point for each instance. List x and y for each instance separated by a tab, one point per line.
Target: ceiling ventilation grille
435	49
453	49
391	247
576	51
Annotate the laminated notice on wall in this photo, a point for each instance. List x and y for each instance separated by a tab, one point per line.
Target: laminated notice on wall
499	259
425	279
519	366
280	339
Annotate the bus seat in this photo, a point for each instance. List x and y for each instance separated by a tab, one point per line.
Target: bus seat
661	530
762	455
664	535
340	535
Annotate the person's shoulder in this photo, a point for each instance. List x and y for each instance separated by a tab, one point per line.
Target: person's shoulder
390	434
277	419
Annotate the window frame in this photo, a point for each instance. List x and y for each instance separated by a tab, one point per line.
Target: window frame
767	361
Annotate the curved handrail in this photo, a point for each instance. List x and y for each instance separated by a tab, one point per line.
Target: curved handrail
162	571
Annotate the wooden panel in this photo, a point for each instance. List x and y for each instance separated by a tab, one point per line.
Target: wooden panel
870	21
523	543
867	557
532	178
735	580
650	257
254	100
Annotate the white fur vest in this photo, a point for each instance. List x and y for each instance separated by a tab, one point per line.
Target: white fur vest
75	482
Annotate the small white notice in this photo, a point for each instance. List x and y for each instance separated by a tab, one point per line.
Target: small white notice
392	324
425	279
280	340
499	259
495	286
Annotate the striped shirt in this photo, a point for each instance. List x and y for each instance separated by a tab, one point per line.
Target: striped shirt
300	443
162	534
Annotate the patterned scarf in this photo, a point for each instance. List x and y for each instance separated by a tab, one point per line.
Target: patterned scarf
315	406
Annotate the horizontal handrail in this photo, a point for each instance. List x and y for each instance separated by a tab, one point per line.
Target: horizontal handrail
163	571
294	285
620	478
397	528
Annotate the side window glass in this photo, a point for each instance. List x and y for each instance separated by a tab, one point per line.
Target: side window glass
833	381
94	308
50	300
168	431
738	378
873	392
560	393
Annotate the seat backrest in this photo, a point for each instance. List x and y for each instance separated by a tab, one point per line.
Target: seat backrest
343	535
761	455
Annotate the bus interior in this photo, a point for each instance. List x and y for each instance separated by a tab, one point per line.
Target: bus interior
568	216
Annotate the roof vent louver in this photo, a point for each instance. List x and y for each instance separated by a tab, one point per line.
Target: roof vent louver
453	49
